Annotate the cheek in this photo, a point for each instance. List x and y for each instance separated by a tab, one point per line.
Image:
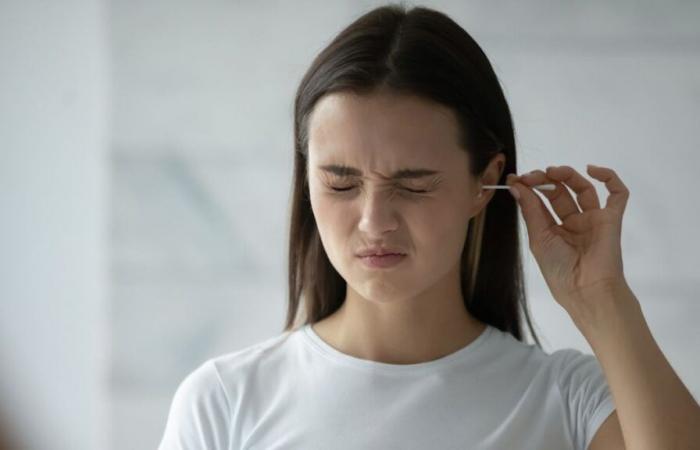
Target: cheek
332	223
326	211
439	232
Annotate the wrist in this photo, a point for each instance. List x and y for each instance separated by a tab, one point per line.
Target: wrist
603	307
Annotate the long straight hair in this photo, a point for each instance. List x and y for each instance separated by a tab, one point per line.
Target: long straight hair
420	52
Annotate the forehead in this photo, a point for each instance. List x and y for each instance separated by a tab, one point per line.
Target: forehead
382	131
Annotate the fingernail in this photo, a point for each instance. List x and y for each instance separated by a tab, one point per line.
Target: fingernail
514	192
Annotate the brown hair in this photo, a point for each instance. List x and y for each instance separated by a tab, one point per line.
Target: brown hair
421	52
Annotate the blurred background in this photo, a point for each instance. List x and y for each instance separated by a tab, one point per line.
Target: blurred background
145	174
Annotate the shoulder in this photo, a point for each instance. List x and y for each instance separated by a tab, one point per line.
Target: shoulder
200	394
199	413
214	380
202	410
527	357
202	383
572	367
569	369
237	365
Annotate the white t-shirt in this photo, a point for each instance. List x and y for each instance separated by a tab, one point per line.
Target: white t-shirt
295	391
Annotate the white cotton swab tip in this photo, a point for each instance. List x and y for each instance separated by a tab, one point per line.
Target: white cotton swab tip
541	187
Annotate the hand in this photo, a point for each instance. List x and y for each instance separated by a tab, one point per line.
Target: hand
581	259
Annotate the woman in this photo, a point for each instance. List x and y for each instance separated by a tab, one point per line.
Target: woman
399	123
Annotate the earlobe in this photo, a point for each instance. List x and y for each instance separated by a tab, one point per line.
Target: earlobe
479	196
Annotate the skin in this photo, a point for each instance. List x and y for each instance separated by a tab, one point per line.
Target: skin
413	312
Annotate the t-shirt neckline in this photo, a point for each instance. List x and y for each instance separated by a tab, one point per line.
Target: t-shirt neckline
334	354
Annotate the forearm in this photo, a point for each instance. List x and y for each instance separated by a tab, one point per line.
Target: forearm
655	409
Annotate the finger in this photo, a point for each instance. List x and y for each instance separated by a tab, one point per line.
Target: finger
537	217
585	191
561	199
619	193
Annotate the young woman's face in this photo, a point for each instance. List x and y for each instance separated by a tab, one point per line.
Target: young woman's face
424	217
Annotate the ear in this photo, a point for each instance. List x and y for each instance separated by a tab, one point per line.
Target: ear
492	173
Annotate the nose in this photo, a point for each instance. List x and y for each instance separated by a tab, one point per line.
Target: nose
377	216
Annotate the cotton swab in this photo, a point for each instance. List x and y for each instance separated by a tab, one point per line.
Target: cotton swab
541	187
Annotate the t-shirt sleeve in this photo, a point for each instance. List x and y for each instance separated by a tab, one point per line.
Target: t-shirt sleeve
585	393
199	414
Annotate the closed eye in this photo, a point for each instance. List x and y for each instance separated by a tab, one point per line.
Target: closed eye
413	191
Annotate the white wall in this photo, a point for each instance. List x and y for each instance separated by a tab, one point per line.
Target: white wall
53	227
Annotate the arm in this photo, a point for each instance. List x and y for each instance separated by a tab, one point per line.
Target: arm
581	261
654	408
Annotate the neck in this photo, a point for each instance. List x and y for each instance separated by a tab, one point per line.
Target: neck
407	331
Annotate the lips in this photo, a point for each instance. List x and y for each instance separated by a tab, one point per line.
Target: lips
379	252
381	262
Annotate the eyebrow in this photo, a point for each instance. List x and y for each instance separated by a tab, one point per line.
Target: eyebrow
345	171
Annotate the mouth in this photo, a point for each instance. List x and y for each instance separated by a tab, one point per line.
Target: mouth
382	261
380	252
